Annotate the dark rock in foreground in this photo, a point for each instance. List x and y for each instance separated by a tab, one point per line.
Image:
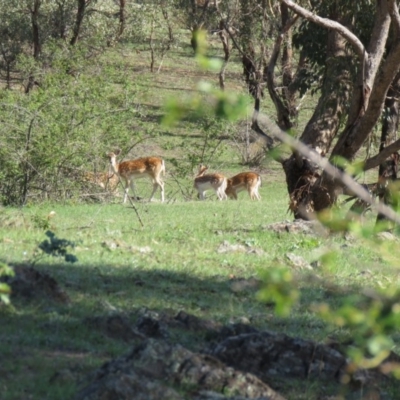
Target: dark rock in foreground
268	355
158	370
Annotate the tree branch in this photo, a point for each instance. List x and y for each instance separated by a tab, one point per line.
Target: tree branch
382	156
330	24
341	176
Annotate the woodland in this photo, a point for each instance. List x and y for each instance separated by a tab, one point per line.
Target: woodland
293	295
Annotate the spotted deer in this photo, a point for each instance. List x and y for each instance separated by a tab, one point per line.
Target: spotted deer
146	167
107	181
216	182
249	181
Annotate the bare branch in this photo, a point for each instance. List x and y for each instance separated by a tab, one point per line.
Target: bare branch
330	24
382	156
331	170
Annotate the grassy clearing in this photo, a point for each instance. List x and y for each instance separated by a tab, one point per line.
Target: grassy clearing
173	263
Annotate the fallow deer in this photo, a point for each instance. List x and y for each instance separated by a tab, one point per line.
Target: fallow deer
107	181
249	181
146	167
216	182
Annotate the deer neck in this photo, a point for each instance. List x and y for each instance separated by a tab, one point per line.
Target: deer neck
114	166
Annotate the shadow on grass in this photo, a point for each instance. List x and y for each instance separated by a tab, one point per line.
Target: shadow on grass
101	289
52	336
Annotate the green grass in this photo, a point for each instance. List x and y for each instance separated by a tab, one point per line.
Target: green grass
170	264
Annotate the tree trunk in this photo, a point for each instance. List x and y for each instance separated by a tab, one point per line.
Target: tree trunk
78	21
224	36
122	18
388	170
307	192
375	69
36	41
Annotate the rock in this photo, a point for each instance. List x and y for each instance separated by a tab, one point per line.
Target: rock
298	226
298	262
269	355
158	370
151	327
194	323
115	326
226	247
387	236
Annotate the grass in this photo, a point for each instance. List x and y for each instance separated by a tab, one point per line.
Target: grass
175	261
171	264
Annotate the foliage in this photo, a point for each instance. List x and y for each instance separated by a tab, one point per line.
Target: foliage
278	287
57	247
372	318
42	222
5	289
67	113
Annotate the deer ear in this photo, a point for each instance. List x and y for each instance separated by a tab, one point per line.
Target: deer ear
117	152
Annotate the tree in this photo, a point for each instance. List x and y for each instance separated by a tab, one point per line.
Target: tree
361	64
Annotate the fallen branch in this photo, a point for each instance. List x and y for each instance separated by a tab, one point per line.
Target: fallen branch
356	188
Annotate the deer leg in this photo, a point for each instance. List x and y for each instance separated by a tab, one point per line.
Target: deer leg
132	186
221	194
161	183
126	190
158	183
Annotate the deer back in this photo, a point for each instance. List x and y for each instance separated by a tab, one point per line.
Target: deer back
151	166
210	180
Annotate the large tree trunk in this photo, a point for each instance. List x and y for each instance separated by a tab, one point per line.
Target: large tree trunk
376	66
306	196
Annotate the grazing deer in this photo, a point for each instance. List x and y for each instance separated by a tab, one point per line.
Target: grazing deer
216	181
147	167
249	181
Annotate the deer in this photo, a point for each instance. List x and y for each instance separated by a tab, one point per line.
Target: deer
216	182
249	181
107	181
146	167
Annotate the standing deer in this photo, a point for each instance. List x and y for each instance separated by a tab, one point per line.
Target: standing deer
216	182
249	181
147	167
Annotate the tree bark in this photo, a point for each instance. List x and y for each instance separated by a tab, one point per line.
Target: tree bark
78	21
122	18
224	36
307	193
284	104
36	40
388	169
376	68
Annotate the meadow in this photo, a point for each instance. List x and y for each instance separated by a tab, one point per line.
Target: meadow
183	258
199	257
